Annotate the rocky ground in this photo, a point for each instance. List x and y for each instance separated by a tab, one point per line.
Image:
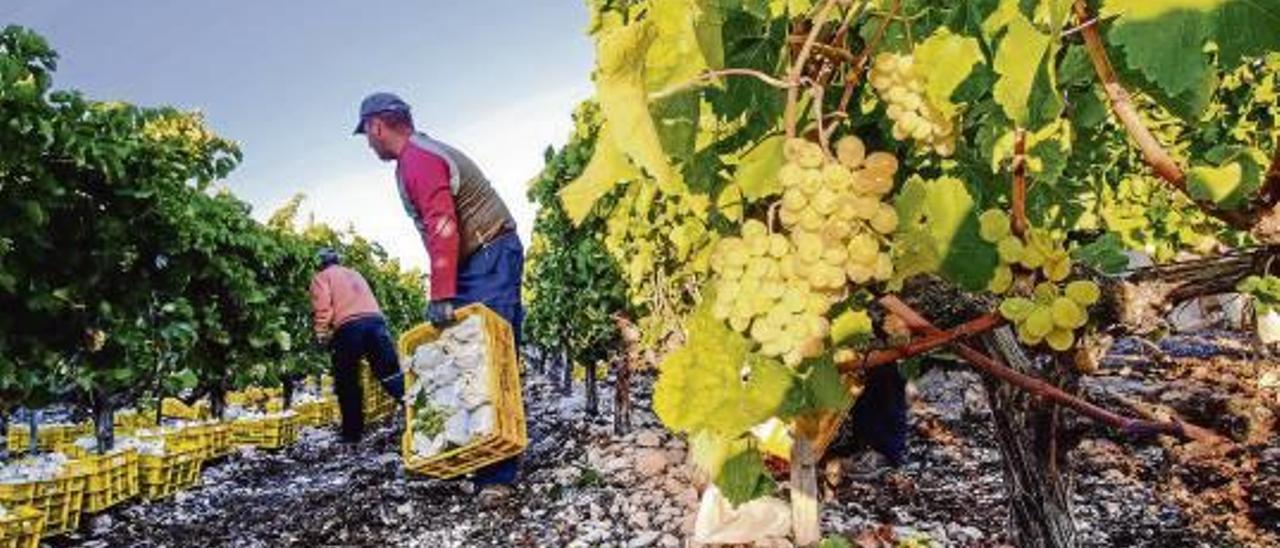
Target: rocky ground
585	487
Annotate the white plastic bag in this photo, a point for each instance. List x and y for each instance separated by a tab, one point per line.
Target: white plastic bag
719	522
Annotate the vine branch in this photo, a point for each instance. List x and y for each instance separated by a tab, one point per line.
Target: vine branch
797	67
1153	152
711	75
855	74
923	345
1048	391
1019	194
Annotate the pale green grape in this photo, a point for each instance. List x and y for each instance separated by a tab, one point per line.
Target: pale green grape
993	226
1083	292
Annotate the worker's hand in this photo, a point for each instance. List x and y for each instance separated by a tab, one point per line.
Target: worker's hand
440	313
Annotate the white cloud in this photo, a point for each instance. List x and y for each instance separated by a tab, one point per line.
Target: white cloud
507	144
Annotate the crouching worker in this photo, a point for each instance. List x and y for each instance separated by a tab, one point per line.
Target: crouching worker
349	323
476	256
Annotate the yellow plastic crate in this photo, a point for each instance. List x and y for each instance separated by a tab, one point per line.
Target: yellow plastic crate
59	499
161	476
310	413
273	432
509	437
21	527
48	438
377	404
109	479
219	438
237	398
174	408
131	420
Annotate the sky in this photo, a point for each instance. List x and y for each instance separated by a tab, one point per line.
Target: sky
496	78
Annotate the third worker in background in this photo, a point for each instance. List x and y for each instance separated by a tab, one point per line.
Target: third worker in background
469	233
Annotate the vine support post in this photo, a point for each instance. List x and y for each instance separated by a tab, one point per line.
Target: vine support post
622	397
805	526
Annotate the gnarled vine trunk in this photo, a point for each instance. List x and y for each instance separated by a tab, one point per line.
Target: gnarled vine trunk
218	400
104	422
1034	460
622	396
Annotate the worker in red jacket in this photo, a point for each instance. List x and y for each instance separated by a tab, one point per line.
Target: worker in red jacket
476	255
349	323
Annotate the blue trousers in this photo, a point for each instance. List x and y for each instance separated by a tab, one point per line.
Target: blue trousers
364	338
492	276
879	417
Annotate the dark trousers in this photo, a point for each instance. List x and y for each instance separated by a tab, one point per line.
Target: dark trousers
492	276
365	338
879	416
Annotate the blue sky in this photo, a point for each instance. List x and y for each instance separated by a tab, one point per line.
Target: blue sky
497	78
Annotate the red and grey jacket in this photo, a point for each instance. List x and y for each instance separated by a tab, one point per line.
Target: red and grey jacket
453	205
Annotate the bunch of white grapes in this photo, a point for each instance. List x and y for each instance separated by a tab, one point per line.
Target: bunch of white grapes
1051	315
1037	250
778	288
901	86
835	212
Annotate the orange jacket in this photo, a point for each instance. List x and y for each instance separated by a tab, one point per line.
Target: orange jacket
339	295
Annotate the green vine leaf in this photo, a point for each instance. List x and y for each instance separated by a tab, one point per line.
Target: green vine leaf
714	382
608	168
757	174
938	232
951	59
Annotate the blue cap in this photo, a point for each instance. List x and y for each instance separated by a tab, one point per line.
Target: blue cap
378	103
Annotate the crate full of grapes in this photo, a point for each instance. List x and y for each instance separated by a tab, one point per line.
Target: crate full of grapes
463	384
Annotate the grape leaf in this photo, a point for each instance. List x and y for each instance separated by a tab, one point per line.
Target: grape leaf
754	44
607	168
757	174
850	324
950	58
709	451
1229	184
938	232
624	100
1166	43
714	382
687	41
744	478
1105	254
1022	57
676	119
821	388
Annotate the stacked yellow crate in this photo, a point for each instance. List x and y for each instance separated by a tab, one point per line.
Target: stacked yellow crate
378	405
109	479
48	437
21	527
176	469
267	432
60	499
